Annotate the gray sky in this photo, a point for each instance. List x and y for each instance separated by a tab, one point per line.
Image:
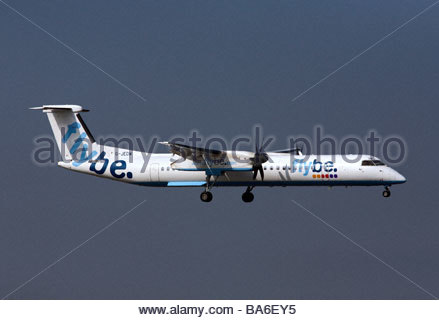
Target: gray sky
218	67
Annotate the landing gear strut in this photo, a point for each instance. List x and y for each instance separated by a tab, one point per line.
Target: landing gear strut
386	192
207	196
247	196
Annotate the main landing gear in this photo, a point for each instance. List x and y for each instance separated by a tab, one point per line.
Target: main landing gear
207	196
386	192
247	196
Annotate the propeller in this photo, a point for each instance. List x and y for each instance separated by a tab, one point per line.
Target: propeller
258	159
299	150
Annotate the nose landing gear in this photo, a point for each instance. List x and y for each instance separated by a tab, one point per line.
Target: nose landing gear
386	192
248	196
206	196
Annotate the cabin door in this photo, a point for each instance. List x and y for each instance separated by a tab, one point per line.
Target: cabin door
154	172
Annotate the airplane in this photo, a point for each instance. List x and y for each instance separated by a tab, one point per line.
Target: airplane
191	166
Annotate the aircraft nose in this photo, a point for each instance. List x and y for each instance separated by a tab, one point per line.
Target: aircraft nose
400	178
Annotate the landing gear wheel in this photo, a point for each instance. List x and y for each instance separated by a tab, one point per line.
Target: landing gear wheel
206	196
247	197
386	193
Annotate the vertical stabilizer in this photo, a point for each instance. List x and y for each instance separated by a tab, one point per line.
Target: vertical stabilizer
72	136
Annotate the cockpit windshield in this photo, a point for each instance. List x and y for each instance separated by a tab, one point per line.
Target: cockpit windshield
372	163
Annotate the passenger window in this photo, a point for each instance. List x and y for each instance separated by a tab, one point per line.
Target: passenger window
167	169
271	167
162	168
284	167
277	167
265	168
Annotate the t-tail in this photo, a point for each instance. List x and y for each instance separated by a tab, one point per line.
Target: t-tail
74	140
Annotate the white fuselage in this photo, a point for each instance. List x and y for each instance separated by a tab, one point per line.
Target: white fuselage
158	169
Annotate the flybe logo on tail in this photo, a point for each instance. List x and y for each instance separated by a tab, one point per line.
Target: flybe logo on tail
72	129
117	167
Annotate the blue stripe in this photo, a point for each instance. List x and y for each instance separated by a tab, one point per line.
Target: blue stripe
186	183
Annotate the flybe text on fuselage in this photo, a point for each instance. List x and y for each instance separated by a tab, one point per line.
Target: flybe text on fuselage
315	166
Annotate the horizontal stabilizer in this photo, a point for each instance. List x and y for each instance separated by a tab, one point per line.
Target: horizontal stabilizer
66	107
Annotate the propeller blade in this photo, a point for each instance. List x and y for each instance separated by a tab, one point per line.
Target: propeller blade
261	171
258	159
256	169
255	173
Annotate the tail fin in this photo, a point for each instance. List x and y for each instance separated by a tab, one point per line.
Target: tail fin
71	134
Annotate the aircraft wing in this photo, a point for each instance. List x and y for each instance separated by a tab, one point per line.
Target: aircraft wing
213	161
194	153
